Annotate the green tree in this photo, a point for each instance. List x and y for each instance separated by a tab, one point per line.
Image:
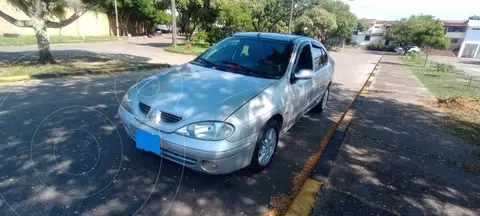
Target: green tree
192	13
233	18
38	11
421	30
345	19
362	25
267	14
316	22
149	12
474	17
162	17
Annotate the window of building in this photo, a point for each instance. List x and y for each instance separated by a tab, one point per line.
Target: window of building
456	29
454	41
367	37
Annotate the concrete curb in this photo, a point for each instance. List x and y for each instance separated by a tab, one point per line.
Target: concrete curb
305	200
81	72
14	78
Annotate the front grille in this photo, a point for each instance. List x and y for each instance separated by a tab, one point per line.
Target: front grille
169	118
165	117
144	108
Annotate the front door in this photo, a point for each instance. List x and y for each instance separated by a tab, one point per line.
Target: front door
300	91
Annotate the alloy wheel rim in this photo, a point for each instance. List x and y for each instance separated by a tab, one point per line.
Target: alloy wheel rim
325	98
267	146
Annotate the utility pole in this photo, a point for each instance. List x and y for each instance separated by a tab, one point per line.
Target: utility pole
116	18
290	22
174	23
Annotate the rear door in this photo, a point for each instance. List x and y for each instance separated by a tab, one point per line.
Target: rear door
321	71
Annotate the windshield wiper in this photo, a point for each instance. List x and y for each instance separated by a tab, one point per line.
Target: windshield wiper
205	62
246	69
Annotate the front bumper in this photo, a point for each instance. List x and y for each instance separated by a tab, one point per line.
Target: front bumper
194	153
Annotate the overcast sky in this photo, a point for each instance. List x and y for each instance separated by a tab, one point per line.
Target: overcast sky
396	9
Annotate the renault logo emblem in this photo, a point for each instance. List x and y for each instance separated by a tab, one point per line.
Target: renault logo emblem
154	115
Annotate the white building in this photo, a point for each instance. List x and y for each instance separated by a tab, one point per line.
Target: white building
470	47
455	31
376	32
464	36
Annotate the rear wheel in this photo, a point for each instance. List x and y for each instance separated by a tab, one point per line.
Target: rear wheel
320	107
265	147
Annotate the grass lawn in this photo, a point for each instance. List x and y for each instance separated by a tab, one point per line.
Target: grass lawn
94	64
463	114
183	49
30	39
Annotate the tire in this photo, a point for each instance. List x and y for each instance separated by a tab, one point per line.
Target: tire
320	107
258	162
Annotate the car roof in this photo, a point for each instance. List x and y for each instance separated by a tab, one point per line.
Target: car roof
271	36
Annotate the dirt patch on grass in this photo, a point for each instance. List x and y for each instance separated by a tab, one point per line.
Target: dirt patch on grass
458	105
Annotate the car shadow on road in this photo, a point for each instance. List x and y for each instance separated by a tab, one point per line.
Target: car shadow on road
65	151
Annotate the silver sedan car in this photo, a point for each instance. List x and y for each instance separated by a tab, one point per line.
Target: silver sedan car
225	110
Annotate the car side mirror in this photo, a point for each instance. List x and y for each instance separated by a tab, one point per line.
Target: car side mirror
303	74
199	53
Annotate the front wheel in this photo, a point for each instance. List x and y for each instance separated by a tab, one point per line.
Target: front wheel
320	107
265	147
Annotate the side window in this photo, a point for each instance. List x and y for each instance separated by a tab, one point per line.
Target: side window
317	57
320	57
324	56
304	60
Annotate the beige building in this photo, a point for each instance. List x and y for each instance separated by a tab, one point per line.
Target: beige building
89	24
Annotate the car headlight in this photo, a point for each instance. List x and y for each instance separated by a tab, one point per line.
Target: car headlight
207	130
127	102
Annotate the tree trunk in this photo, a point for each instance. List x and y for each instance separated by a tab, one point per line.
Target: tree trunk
426	59
44	54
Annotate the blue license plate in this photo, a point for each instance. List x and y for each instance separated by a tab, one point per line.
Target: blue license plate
147	141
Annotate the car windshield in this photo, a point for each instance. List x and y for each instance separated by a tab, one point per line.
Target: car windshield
249	56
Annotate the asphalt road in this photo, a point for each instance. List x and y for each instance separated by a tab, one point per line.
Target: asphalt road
64	152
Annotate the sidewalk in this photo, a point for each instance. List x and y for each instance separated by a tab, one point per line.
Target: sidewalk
397	160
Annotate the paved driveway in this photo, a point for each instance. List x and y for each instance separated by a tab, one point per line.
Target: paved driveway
64	152
468	65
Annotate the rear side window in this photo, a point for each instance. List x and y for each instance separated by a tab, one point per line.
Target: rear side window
320	57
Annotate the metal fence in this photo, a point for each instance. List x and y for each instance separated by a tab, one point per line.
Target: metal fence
471	82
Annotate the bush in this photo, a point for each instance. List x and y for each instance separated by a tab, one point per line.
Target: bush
375	46
442	67
413	56
331	48
201	36
215	35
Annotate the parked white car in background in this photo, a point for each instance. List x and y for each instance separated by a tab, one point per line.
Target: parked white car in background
400	50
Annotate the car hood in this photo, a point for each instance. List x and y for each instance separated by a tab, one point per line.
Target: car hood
195	93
